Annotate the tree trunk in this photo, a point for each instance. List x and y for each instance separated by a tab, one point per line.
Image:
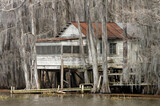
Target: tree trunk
125	54
94	59
23	55
125	43
35	84
105	85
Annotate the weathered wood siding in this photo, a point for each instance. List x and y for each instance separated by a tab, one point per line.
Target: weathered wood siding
71	31
70	59
54	61
115	60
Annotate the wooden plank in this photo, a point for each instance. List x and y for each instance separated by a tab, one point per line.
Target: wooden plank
112	74
79	76
78	90
118	84
39	91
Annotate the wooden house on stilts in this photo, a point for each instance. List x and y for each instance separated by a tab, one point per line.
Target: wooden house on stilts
60	62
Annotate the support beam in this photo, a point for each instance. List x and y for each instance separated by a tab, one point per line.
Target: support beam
47	75
74	80
39	78
62	73
42	80
55	80
69	78
79	76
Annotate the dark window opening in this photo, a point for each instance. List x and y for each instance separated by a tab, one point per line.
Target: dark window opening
112	48
48	50
76	49
58	49
38	49
85	49
66	49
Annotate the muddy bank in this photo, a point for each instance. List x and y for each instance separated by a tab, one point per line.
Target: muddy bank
5	90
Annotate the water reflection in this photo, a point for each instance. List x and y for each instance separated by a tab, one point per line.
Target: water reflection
75	100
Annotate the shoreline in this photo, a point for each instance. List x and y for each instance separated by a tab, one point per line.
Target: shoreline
112	94
5	90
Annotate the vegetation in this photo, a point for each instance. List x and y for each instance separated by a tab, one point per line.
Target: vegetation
2	97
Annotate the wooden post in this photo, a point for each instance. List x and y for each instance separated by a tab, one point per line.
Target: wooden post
58	88
11	90
39	78
55	80
47	75
99	82
62	71
82	88
43	78
69	78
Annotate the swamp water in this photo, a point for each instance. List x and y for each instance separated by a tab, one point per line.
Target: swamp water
7	99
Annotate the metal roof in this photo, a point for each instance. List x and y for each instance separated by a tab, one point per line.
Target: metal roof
113	30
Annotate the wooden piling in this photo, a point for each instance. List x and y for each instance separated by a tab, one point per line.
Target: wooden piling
62	72
42	79
47	75
82	89
11	90
58	88
55	79
39	78
69	78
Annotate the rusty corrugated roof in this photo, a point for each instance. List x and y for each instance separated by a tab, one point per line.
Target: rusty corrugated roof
113	30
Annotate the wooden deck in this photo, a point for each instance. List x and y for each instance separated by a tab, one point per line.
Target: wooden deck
84	87
55	90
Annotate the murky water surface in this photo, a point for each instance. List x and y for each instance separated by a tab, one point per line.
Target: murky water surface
74	100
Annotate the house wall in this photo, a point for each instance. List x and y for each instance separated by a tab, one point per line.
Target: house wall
113	60
54	61
117	60
71	31
70	59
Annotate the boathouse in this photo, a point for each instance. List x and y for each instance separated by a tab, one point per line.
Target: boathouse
63	51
